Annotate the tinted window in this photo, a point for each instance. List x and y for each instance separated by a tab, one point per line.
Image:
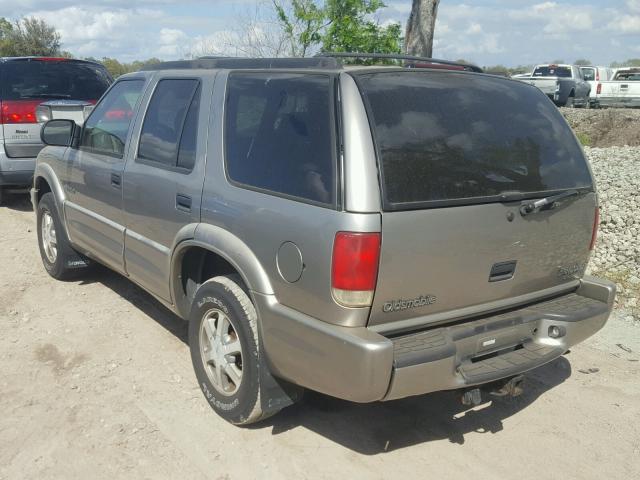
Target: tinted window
165	120
550	71
106	130
279	134
53	79
446	136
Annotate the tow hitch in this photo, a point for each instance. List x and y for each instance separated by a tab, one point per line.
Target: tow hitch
510	387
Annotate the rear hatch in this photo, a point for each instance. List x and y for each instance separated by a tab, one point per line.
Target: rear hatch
66	87
459	154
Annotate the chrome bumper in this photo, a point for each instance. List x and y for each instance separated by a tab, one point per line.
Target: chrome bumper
619	102
360	365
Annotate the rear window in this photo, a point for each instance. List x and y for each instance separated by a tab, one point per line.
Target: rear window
552	71
589	74
630	76
453	137
24	79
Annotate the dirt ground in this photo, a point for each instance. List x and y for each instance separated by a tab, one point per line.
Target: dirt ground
96	382
605	127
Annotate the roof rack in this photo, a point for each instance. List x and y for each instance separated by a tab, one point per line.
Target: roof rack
393	56
248	63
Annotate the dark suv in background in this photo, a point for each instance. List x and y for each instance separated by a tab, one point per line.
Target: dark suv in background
34	90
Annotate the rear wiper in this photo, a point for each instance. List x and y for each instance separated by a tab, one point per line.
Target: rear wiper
47	95
545	203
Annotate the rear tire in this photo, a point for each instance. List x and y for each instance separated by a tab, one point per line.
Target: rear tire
570	103
60	260
1	195
224	344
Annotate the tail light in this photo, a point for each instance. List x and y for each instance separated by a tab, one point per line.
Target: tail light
599	89
19	111
594	232
597	75
354	269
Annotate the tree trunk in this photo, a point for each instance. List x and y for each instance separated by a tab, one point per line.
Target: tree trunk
420	27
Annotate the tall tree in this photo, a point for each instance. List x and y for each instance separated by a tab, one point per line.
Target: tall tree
421	25
337	26
29	36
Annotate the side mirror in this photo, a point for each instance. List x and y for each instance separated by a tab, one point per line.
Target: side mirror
59	132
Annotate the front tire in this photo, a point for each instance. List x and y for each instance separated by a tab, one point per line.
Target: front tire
60	260
224	344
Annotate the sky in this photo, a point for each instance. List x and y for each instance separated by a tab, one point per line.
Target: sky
486	32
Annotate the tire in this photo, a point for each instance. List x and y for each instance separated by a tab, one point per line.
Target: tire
223	339
2	195
570	103
64	263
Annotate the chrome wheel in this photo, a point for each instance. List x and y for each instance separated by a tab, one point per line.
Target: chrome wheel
49	241
221	352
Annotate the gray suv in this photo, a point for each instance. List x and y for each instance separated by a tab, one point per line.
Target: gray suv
368	232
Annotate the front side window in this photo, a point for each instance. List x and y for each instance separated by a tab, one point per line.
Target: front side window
169	130
278	134
106	130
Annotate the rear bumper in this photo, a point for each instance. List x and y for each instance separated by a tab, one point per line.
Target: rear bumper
360	365
618	102
16	172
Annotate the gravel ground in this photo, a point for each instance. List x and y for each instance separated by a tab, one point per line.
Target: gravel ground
617	253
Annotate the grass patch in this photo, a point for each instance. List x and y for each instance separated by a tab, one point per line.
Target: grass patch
584	139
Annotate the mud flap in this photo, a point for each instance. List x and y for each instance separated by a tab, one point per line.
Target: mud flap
276	393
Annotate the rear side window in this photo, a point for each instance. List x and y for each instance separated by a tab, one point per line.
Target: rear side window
168	135
446	137
105	131
64	79
552	71
279	136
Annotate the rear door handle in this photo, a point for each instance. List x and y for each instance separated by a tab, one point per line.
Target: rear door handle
116	180
183	202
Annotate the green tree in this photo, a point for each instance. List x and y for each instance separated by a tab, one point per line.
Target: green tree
583	62
632	62
116	68
29	36
350	29
6	31
337	26
301	22
497	70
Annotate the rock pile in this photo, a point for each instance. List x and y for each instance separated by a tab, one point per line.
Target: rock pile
617	253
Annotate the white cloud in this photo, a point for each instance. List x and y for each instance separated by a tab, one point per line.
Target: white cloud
568	21
633	5
474	29
628	24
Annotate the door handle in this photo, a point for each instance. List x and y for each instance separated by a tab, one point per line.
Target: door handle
183	203
116	180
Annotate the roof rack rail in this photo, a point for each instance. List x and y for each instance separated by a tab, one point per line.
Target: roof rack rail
394	56
246	63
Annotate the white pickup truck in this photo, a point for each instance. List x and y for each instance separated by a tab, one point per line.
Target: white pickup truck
623	90
564	84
